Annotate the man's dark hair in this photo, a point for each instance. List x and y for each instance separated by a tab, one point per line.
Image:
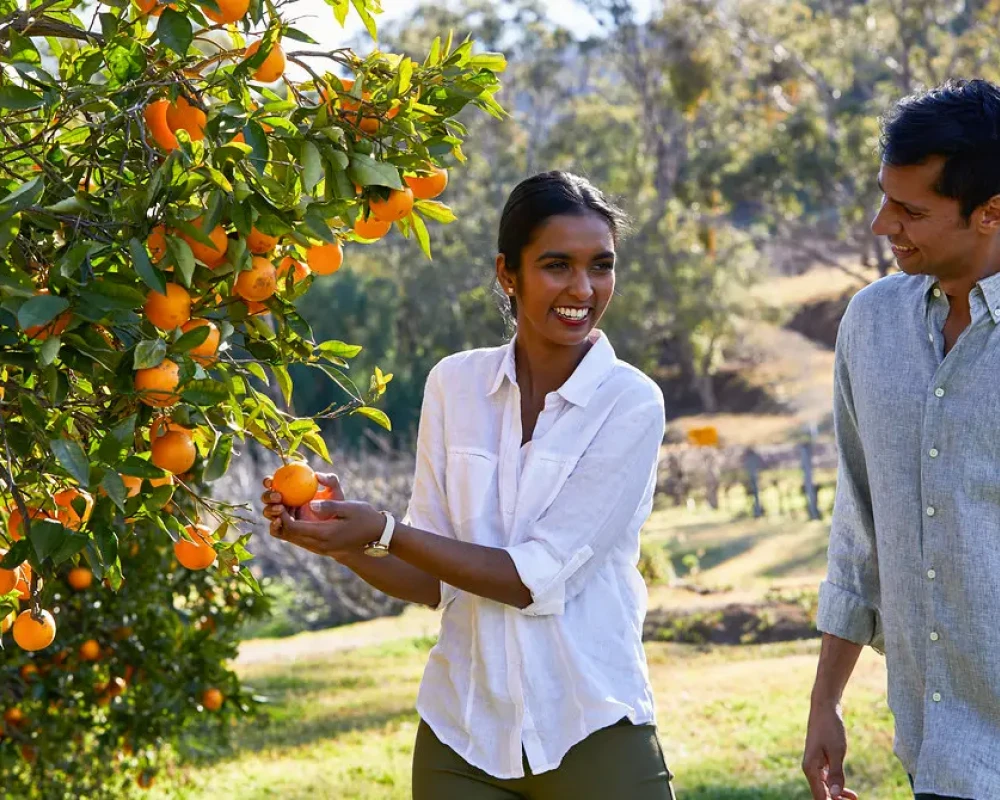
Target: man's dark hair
959	121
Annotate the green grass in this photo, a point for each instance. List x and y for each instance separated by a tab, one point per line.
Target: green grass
341	722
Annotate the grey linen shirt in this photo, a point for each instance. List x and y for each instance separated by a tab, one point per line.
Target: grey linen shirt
914	556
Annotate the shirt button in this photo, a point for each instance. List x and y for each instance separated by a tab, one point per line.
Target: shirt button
936	697
939	392
931	574
930	511
934	636
933	452
937	292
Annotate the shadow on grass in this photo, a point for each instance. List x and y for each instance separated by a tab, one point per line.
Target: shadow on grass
289	732
714	555
811	561
790	790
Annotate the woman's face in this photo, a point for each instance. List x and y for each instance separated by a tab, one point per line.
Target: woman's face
566	279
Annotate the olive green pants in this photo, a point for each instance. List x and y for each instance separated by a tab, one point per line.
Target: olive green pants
623	762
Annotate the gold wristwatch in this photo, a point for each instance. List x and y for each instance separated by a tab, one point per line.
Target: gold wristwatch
380	547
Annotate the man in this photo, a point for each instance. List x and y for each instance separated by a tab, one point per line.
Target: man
914	558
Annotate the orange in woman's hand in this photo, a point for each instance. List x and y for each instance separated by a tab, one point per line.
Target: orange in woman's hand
296	483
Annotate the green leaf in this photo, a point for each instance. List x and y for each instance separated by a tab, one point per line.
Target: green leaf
420	230
218	461
19	552
376	415
25	195
405	75
366	171
115	487
50	350
436	211
361	7
494	62
313	220
257	139
299	36
149	353
338	349
140	468
151	276
71	544
182	258
45	536
124	431
340	10
191	339
125	60
284	381
22	49
316	443
18	98
73	459
247	577
205	392
174	30
257	371
312	166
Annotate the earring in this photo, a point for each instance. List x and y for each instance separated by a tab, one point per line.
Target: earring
510	291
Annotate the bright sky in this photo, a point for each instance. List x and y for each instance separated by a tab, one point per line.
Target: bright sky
317	17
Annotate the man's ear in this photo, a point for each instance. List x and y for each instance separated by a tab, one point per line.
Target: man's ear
990	221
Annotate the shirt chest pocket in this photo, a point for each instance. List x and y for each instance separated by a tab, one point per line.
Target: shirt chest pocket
540	484
470	483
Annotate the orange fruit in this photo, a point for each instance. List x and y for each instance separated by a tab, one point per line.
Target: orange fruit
260	243
370	125
325	259
151	7
229	11
167	481
15	528
399	204
273	66
211	256
24	582
174	452
371	228
257	283
34	634
198	553
181	115
13	716
170	310
67	514
28	671
299	270
42	332
253	308
132	484
212	699
155	115
427	187
90	650
80	578
9	578
204	353
157	385
157	243
160	426
323	493
296	483
7	622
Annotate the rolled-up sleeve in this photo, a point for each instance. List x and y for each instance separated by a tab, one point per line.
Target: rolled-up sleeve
849	598
608	488
428	507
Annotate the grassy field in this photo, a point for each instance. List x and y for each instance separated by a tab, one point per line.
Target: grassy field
340	720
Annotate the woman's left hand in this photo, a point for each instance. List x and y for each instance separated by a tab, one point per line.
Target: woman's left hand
338	526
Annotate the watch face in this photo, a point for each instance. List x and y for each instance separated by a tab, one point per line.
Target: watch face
376	550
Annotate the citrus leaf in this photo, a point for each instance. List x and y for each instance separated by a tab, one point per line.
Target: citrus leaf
18	98
436	211
338	349
205	392
191	339
73	459
218	461
112	483
151	276
316	443
366	171
174	30
46	535
376	416
312	166
149	353
41	310
420	230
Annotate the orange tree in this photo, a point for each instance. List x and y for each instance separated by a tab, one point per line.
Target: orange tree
168	189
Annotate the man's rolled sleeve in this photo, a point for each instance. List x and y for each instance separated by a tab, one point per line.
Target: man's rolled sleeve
850	597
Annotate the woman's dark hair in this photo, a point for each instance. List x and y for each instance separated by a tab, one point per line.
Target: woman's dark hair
549	194
959	121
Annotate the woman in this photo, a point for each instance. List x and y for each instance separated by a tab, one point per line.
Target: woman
536	464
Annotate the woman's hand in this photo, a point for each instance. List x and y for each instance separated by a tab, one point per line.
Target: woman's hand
326	527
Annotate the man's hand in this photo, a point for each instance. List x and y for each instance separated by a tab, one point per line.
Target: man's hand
825	750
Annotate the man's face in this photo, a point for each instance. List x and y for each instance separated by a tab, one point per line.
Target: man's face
927	232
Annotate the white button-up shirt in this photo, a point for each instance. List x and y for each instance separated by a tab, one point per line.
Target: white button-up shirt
545	677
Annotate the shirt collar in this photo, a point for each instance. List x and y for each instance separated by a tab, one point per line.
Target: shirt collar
581	385
989	287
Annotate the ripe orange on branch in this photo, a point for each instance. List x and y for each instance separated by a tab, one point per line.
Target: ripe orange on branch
90	650
427	187
205	352
299	270
212	699
157	243
257	283
273	66
155	115
80	578
157	385
34	634
296	483
325	259
15	526
212	256
182	115
229	11
371	228
397	205
198	553
260	243
174	452
67	514
170	310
